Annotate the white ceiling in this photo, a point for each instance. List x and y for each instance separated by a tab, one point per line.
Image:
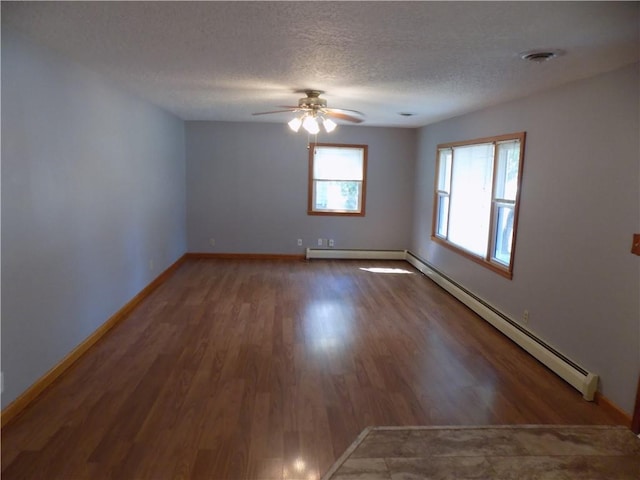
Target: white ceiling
225	60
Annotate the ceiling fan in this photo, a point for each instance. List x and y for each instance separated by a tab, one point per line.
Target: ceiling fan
314	109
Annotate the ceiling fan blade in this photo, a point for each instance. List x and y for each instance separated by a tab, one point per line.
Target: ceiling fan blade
346	110
340	114
292	109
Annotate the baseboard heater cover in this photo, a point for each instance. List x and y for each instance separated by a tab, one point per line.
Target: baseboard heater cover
334	253
582	380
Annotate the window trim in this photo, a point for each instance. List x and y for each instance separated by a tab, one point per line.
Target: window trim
487	260
310	210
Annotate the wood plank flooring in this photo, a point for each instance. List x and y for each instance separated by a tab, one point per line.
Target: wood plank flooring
269	369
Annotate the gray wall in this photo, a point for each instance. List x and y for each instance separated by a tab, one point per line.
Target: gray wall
93	190
573	269
247	189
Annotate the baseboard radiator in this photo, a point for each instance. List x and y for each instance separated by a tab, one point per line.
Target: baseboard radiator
582	380
340	254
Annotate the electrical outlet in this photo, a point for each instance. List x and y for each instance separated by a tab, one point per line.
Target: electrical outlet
212	242
525	316
299	242
331	244
319	242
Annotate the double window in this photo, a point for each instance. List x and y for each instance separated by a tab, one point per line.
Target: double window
476	199
337	179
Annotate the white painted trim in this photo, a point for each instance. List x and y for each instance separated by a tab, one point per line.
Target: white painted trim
582	380
332	253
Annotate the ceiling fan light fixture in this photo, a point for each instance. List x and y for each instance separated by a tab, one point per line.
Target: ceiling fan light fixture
295	124
329	125
310	124
312	111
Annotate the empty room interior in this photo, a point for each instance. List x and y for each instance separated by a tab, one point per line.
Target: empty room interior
238	236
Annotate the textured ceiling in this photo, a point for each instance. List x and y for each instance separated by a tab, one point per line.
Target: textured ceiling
225	60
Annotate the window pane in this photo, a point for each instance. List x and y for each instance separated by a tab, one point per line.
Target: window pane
335	163
444	174
507	171
337	195
504	234
443	215
470	202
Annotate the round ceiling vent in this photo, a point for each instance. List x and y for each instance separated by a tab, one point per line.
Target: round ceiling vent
539	56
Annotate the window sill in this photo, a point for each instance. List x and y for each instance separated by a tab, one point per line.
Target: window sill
336	214
503	271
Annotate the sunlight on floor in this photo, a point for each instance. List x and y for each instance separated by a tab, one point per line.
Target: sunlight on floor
386	270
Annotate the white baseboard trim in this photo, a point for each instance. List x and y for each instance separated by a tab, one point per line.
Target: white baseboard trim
333	253
582	380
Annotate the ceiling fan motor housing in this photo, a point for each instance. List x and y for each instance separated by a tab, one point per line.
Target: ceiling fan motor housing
312	102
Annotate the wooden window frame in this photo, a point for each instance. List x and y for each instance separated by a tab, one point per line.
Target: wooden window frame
486	260
310	210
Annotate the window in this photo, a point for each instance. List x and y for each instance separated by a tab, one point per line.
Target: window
337	179
476	199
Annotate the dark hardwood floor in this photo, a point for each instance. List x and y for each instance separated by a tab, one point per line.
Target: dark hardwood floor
266	369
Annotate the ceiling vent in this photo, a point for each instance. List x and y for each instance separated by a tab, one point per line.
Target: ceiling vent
540	56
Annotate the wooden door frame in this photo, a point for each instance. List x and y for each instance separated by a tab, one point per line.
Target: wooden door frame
635	423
